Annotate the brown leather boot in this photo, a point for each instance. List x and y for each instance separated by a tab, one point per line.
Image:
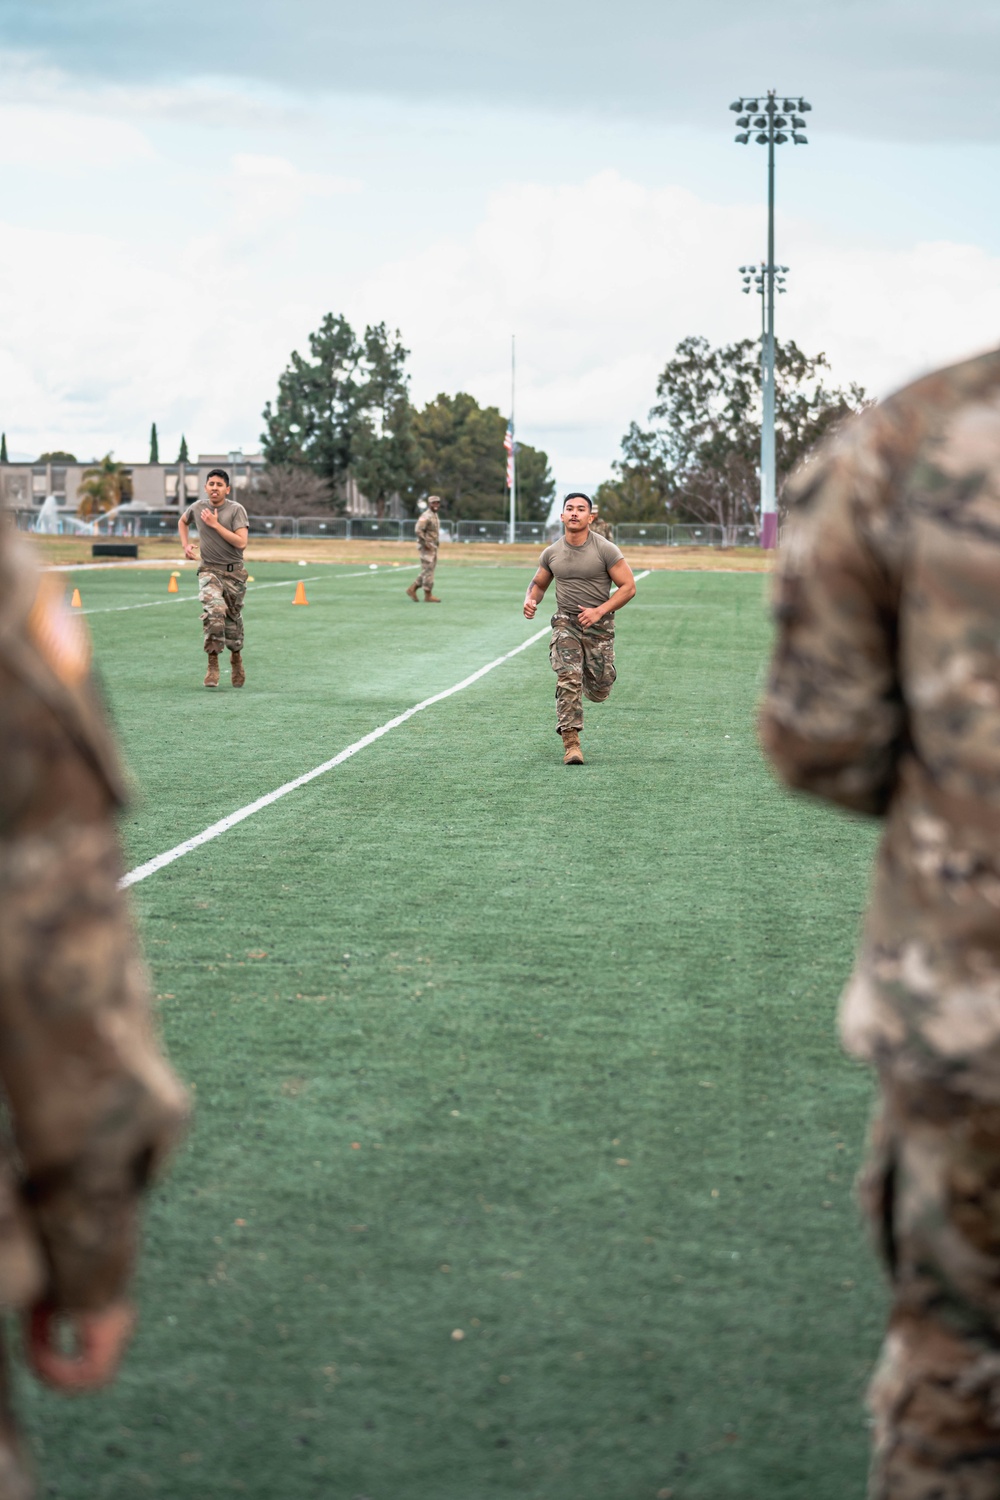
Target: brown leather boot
572	754
236	668
430	598
412	591
212	675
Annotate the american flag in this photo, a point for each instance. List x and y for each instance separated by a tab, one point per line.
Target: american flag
508	442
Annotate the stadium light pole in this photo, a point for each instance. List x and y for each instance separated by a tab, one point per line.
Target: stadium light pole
771	124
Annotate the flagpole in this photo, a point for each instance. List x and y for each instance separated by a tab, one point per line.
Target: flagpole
513	452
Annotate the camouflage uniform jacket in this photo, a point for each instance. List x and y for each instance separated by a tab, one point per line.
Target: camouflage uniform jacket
884	696
603	528
92	1105
428	530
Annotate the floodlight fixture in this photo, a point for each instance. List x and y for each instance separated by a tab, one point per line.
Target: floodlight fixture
770	121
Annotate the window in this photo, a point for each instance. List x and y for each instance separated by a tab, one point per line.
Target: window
171	479
39	481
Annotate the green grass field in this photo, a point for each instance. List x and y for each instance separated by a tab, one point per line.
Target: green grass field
483	1043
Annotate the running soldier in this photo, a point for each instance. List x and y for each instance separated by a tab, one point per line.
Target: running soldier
582	652
90	1104
428	541
223	528
884	697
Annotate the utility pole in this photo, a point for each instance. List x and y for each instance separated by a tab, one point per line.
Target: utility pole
771	125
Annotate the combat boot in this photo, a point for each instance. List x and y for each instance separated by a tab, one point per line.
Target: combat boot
572	754
430	598
236	668
412	591
212	675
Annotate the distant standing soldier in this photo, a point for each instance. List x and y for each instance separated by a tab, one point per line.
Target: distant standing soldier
884	696
92	1105
428	540
223	529
600	527
582	652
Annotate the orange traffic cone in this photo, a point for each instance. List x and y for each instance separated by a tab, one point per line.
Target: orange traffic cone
76	602
172	585
300	593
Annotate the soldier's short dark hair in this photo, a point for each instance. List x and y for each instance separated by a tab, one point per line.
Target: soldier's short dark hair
221	473
578	495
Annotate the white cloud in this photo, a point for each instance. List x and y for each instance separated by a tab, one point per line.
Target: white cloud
54	139
271	187
601	280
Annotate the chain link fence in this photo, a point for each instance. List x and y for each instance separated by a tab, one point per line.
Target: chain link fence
153	523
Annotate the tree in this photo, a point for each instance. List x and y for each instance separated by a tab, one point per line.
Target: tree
102	488
57	456
700	460
345	412
461	457
182	456
313	419
154	445
3	449
291	490
383	453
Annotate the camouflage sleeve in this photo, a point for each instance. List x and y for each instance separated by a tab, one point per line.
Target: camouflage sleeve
93	1105
832	720
422	524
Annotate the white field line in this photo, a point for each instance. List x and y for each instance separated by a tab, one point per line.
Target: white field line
122	565
142	872
160	861
115	609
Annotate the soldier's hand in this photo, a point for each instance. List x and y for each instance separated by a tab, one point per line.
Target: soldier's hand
209	517
100	1340
530	606
189	551
588	617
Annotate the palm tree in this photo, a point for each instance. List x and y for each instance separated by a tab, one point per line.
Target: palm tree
101	488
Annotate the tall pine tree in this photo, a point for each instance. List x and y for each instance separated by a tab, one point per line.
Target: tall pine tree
183	456
3	449
154	445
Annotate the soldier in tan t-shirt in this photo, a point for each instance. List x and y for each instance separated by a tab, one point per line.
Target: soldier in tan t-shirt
582	652
223	528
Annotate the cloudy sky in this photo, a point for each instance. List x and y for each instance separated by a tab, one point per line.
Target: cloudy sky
187	189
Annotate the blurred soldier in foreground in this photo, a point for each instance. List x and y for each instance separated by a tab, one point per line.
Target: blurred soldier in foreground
884	696
428	540
91	1103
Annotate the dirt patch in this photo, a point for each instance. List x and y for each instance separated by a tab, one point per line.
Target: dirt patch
66	550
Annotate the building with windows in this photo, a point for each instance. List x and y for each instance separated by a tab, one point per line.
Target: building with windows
151	486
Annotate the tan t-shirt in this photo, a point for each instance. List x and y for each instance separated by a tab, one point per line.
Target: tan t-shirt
215	550
581	573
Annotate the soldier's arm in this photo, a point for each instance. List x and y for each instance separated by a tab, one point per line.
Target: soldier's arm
185	536
93	1104
832	720
536	592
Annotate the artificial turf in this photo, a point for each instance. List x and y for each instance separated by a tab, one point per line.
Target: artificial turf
484	1044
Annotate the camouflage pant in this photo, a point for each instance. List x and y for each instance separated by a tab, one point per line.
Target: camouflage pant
428	562
221	596
932	1190
584	664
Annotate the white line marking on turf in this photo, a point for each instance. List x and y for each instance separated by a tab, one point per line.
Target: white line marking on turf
160	861
142	872
116	609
